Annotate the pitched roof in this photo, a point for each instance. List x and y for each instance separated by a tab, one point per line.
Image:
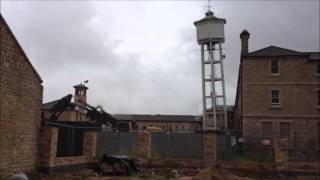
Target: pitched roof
314	56
158	117
2	21
49	105
275	51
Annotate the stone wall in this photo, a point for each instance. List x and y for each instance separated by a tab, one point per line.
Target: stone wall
20	106
298	83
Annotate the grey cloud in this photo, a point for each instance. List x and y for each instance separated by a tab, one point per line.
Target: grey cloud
63	42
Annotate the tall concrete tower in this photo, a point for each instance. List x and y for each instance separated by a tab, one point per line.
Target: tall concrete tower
210	36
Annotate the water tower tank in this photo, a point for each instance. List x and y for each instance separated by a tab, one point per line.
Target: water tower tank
210	28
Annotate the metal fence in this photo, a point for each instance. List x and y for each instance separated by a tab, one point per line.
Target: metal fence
303	146
300	146
159	145
176	145
116	143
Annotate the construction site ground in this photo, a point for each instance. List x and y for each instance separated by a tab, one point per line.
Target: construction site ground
210	173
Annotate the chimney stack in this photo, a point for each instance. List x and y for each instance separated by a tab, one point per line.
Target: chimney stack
80	94
244	36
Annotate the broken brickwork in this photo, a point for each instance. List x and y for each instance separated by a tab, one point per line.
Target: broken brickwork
48	160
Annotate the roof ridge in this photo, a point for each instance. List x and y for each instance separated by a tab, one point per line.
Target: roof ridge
272	46
275	51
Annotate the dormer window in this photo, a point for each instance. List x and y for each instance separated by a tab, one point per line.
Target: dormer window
274	67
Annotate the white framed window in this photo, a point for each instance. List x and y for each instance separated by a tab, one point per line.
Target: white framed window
274	67
275	97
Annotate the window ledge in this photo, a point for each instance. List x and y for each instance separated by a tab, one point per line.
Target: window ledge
275	107
274	75
317	75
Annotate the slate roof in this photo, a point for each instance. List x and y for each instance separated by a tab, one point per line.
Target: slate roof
157	117
275	51
49	105
314	56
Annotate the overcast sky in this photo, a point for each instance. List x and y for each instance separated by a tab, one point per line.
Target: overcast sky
142	56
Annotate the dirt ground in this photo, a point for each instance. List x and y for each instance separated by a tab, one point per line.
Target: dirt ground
213	173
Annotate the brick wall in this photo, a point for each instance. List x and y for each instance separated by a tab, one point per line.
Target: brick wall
209	148
20	106
48	160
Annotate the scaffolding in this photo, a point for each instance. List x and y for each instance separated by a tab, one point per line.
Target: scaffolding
213	86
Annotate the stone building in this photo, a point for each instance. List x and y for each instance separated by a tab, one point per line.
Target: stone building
278	96
20	106
169	123
173	123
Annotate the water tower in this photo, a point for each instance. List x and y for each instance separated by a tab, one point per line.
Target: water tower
210	36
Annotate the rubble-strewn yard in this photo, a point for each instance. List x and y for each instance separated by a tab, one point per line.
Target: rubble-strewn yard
214	172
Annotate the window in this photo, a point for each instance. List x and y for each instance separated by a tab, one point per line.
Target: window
266	130
318	69
319	136
274	67
284	129
275	97
70	142
318	98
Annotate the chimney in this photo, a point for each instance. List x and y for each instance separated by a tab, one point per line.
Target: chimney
80	94
244	36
